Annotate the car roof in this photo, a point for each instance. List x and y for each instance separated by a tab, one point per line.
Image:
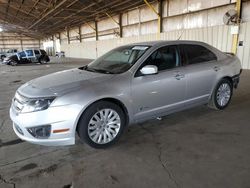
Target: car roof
162	42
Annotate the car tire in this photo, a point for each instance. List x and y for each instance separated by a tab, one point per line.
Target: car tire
13	63
43	61
222	95
2	57
102	124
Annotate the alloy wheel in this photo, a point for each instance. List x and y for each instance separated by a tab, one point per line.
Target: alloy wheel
223	94
104	126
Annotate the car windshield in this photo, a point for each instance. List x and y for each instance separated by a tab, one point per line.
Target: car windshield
118	60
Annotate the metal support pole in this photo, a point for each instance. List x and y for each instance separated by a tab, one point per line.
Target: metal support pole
94	28
54	45
236	36
68	36
59	37
96	31
139	13
80	34
21	41
120	25
159	15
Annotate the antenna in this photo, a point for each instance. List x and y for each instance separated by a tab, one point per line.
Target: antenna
183	29
181	34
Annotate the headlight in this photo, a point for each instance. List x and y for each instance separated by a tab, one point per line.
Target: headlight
37	105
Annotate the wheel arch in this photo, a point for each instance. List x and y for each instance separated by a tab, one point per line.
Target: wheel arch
210	101
108	99
216	83
228	78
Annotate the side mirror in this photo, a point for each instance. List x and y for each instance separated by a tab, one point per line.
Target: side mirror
149	69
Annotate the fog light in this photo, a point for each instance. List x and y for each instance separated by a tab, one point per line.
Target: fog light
18	129
40	132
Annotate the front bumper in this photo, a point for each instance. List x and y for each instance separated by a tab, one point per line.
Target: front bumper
6	62
61	117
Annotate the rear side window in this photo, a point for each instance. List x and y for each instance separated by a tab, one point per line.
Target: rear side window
197	54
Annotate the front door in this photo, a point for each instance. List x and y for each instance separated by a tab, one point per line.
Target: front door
162	93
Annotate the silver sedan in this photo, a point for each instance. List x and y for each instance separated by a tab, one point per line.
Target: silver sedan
129	84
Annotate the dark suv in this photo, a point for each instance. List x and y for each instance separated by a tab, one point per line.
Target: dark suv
28	56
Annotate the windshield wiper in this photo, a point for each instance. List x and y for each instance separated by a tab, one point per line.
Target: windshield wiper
96	70
90	69
103	71
87	68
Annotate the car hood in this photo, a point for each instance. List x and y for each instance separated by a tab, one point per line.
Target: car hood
10	57
60	83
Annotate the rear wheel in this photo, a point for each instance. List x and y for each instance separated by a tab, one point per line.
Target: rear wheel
102	124
43	61
222	94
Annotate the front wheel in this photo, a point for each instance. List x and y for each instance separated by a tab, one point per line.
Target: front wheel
42	61
222	94
102	124
13	63
2	57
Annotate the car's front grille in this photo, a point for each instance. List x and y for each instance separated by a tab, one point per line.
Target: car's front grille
19	102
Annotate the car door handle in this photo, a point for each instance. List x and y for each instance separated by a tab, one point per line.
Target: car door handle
216	68
179	76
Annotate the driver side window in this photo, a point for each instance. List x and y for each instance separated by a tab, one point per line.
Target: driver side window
164	58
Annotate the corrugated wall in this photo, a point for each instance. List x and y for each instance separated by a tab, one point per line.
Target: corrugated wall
218	36
16	41
191	19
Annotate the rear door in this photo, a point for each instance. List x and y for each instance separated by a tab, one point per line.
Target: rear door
201	67
161	93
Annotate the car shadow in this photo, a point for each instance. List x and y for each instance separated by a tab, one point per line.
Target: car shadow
32	64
